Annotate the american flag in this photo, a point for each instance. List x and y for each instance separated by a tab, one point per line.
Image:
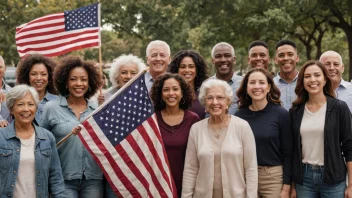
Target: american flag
124	139
57	34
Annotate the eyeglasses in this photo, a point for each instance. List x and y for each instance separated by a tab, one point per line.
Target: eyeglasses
218	98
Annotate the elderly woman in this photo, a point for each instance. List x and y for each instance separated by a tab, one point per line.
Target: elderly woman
172	97
76	81
220	158
322	136
37	71
191	66
122	70
260	105
29	162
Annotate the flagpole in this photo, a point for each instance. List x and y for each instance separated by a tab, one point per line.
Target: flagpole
105	103
100	54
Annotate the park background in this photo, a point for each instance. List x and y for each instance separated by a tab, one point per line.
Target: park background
129	25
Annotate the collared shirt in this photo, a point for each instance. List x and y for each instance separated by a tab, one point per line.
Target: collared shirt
287	90
148	80
76	161
48	97
5	112
235	83
344	93
47	164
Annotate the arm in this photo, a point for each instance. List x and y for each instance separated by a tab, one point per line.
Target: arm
191	167
56	181
250	162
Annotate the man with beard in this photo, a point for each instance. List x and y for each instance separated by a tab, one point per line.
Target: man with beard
334	65
258	55
224	60
286	58
158	58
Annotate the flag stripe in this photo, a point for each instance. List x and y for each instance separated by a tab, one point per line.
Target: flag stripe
41	19
44	26
40	33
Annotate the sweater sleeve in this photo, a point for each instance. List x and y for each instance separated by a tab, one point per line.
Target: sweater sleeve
286	139
191	166
346	130
250	161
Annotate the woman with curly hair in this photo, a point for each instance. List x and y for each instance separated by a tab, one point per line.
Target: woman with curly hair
190	65
260	105
76	81
172	96
36	70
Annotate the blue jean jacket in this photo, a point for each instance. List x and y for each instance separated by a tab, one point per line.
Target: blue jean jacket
49	179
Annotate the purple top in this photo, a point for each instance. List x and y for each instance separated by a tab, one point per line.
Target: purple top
198	108
175	139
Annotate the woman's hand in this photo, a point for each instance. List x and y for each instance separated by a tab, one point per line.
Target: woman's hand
293	192
3	123
101	99
285	192
76	130
348	192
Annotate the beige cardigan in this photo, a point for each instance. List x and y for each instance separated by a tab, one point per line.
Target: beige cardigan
238	162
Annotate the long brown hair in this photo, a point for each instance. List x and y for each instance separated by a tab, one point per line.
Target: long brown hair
301	92
244	100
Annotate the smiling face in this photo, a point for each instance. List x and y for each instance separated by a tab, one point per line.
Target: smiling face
171	92
216	102
258	57
24	109
158	60
258	87
38	77
314	80
223	61
286	58
187	69
332	63
77	82
126	73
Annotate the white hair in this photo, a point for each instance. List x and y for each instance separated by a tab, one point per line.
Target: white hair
18	92
222	44
121	61
2	61
331	53
214	83
158	43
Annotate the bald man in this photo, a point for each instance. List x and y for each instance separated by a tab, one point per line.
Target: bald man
333	63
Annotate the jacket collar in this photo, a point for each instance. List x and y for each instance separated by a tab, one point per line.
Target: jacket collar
330	104
11	133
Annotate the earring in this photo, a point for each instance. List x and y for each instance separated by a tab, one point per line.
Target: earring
183	101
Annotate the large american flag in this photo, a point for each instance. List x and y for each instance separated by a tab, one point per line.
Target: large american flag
124	139
57	34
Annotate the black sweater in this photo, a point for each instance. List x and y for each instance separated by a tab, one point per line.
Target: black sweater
337	141
274	140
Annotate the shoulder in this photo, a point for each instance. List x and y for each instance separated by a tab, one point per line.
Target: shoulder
238	122
278	109
44	133
242	111
191	115
200	125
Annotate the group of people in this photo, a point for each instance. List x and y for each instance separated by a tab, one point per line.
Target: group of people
224	135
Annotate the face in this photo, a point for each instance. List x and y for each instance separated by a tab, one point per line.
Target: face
24	109
314	80
258	57
158	59
171	92
38	77
257	86
286	58
2	70
223	60
77	82
216	102
187	69
126	73
333	65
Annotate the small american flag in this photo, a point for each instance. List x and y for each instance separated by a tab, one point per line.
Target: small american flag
57	34
124	139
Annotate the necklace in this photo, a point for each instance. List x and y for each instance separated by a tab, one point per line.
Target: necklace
222	126
27	142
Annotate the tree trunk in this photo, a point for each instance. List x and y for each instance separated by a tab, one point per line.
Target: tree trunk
349	40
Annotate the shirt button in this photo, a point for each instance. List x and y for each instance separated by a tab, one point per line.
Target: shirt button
38	171
38	184
14	171
18	150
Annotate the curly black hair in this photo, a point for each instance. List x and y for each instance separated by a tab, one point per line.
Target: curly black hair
201	66
157	88
26	64
63	70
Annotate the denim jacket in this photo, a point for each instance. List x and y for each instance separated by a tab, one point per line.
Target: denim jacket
48	97
49	178
76	161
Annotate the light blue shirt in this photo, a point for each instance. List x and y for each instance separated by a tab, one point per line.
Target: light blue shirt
287	90
344	93
148	80
76	161
48	97
5	112
235	83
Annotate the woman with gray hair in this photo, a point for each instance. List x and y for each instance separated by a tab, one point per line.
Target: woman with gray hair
122	70
220	148
29	162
